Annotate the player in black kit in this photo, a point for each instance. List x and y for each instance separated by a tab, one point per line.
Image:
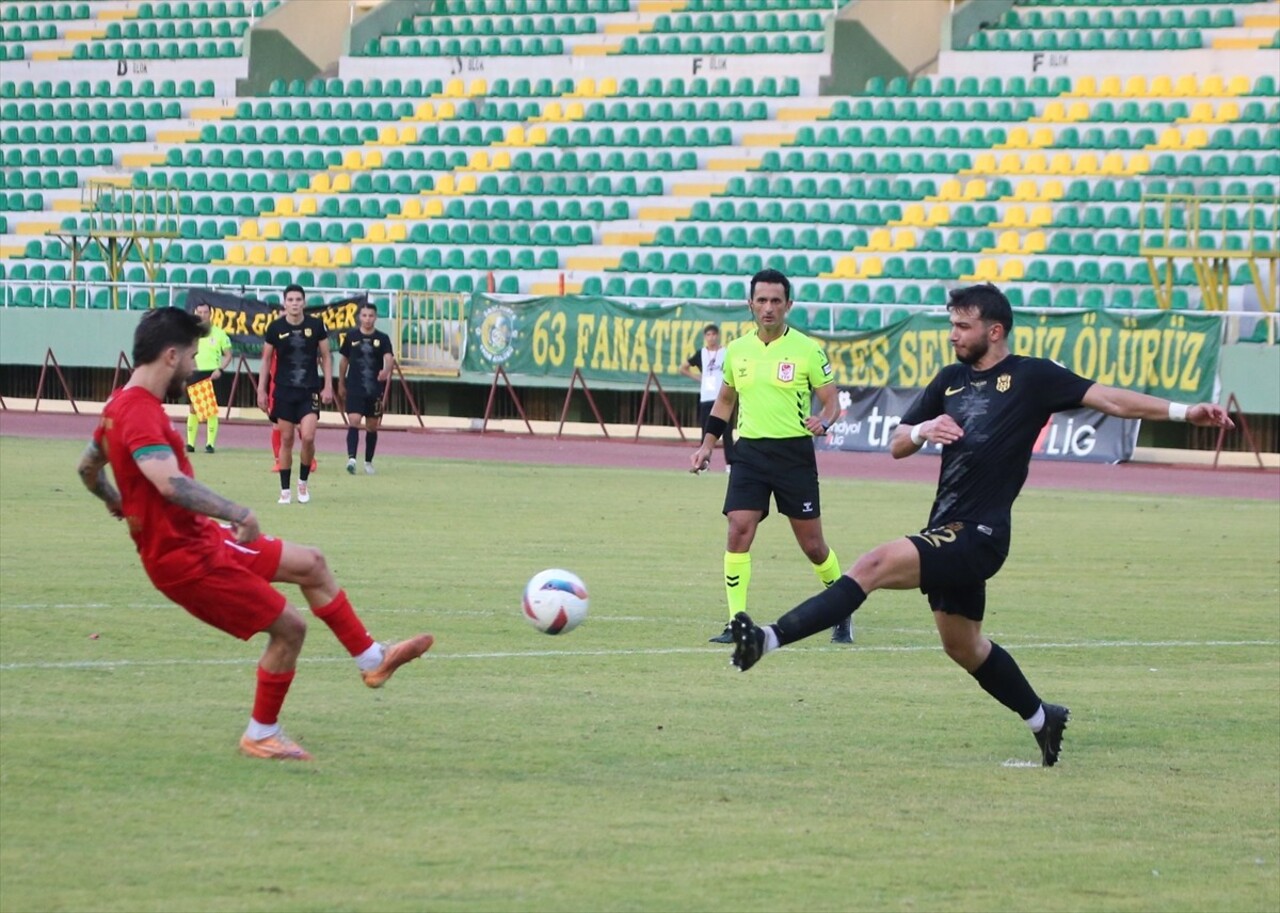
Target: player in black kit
298	342
363	373
985	412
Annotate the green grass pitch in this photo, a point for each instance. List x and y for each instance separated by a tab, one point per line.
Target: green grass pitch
626	766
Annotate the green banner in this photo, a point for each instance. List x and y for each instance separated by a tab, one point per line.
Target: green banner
1174	355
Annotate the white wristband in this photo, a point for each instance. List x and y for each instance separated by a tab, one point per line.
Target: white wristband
1178	412
917	435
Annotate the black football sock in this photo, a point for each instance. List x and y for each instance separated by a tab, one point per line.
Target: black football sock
284	479
304	471
1001	678
353	441
370	445
818	613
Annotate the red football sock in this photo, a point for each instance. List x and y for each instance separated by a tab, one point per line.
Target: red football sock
346	626
275	443
269	698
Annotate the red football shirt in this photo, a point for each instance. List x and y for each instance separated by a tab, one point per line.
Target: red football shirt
175	544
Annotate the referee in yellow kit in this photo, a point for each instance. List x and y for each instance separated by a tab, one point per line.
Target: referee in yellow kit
213	354
770	374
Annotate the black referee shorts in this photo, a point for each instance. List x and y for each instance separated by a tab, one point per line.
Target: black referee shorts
785	469
956	561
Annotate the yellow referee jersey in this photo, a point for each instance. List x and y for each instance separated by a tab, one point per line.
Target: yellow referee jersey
774	382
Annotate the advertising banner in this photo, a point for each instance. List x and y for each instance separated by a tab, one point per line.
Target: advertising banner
1174	355
245	319
868	416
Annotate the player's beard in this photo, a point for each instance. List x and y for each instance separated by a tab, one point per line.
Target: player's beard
974	353
177	386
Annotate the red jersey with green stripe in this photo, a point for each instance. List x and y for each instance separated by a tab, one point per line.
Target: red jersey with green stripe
174	543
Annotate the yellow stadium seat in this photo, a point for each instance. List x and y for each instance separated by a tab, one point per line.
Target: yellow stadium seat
341	256
387	136
1113	164
880	240
284	206
1213	86
913	214
871	268
279	256
1087	164
376	234
1239	85
1018	138
1227	112
412	209
425	111
1042	137
950	190
608	86
1054	112
1052	190
307	206
1014	217
574	111
257	256
1010	163
538	136
341	183
1012	271
1036	163
236	255
408	136
320	258
1060	163
1138	164
446	110
904	239
1110	87
552	113
984	163
352	160
1085	87
585	88
480	161
1201	113
249	230
975	189
1135	87
1035	241
320	183
1008	242
845	268
299	255
987	270
1186	86
271	230
467	183
1026	191
1196	138
1161	87
479	86
454	88
939	214
433	209
397	233
1079	110
515	137
502	161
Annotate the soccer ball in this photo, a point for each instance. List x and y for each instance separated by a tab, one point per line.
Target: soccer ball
555	601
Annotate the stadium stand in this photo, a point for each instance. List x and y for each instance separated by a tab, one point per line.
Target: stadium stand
649	186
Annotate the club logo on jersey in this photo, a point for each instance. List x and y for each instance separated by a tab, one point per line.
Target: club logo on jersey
1003	383
307	332
377	343
786	372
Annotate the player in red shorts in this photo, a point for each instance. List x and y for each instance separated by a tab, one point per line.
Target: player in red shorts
221	574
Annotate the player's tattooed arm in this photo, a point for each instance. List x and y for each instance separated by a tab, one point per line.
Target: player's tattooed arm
92	462
201	499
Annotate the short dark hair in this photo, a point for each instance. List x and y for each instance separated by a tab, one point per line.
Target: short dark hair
367	304
161	328
989	301
710	327
294	287
772	276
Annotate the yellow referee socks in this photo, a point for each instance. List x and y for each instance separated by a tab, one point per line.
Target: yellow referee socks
828	571
193	428
212	437
737	577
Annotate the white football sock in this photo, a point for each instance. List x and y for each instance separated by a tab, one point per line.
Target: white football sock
259	731
770	639
371	658
1035	722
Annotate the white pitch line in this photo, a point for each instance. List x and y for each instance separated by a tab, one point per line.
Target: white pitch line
657	651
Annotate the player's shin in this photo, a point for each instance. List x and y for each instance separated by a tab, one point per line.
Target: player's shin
818	613
353	441
345	624
273	687
1000	676
370	445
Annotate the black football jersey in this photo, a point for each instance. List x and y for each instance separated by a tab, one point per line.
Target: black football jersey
364	355
297	349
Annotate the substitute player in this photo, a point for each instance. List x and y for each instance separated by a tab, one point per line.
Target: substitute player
363	372
213	355
986	411
300	342
771	375
220	574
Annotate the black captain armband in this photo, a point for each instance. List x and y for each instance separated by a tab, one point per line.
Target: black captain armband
715	427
